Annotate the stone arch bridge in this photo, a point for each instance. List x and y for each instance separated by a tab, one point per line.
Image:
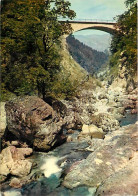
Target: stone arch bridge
78	25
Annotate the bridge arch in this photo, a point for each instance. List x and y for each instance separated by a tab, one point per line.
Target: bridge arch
108	27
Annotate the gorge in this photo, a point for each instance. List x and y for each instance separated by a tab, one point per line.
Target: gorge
68	128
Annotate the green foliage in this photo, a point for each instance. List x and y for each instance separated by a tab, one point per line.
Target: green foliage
29	39
64	88
125	39
130	3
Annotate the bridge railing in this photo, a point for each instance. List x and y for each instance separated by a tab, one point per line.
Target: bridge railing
90	20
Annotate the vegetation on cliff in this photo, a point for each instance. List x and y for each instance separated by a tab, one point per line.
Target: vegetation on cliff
124	42
30	46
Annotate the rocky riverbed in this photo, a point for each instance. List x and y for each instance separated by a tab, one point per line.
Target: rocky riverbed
73	147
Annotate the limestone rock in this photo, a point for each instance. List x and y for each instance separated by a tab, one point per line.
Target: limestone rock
79	110
128	175
92	131
15	183
33	120
85	129
15	143
13	161
105	162
105	121
20	168
69	139
96	132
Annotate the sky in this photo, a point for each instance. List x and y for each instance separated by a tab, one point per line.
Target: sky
97	9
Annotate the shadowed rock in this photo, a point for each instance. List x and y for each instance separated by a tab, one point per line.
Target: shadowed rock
32	120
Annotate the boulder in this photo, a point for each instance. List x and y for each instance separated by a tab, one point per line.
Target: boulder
85	129
96	132
124	182
69	139
107	163
129	104
32	120
92	131
134	111
72	119
70	131
105	121
15	143
79	110
15	183
20	168
13	161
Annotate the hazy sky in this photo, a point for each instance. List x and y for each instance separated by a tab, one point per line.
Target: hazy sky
97	9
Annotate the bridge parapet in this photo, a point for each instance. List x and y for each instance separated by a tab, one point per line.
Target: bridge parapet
83	24
89	20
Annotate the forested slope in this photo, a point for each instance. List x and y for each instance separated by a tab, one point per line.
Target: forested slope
31	45
124	42
91	60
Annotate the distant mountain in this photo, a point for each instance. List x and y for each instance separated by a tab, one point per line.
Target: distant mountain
97	42
91	60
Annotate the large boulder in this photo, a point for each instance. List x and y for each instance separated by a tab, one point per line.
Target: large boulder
32	120
124	182
12	161
111	161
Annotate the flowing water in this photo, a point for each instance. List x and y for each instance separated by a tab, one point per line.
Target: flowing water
50	170
128	119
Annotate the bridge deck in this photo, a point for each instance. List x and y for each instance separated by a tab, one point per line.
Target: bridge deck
90	22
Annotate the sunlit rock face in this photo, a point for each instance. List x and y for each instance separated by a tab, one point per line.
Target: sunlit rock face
13	162
108	162
128	175
92	131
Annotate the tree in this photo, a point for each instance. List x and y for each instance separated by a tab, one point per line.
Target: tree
29	41
124	41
